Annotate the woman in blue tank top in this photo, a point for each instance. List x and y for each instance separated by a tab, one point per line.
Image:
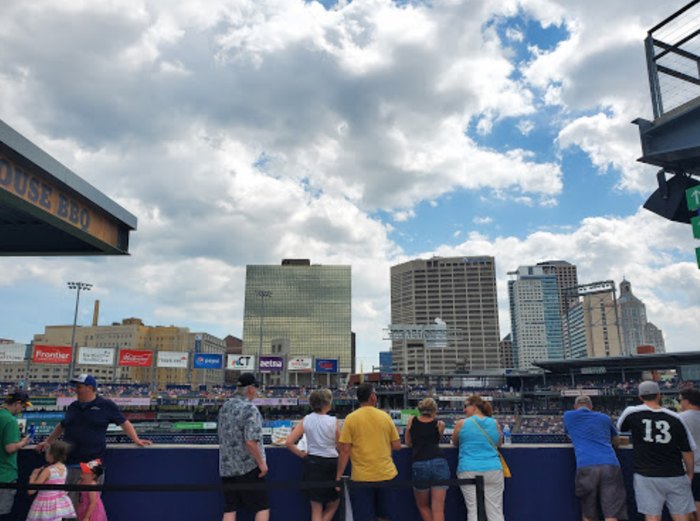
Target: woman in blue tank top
477	437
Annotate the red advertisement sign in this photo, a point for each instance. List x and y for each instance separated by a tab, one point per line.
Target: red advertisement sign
52	355
135	358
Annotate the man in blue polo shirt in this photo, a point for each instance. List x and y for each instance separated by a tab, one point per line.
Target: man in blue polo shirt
84	426
598	473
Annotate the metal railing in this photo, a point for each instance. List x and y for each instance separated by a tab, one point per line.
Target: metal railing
673	59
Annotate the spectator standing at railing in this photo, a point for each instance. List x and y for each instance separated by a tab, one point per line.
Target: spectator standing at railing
663	456
598	473
477	438
320	459
84	427
10	444
367	438
690	414
423	434
241	451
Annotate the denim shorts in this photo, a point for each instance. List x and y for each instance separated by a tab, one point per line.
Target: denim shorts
430	470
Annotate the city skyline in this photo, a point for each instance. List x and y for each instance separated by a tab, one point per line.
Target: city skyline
365	133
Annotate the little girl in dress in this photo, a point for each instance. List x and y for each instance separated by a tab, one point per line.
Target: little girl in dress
90	507
51	505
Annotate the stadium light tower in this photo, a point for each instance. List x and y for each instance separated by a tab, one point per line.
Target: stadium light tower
79	286
263	294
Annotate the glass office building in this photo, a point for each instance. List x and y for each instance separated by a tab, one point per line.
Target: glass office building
299	309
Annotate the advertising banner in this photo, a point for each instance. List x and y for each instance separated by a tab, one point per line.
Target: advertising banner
276	401
326	365
173	359
197	343
121	401
135	358
12	352
52	355
208	361
271	364
240	362
95	356
304	364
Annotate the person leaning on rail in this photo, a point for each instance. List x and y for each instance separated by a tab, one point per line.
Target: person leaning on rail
241	451
663	456
598	473
84	427
689	400
10	444
423	434
320	459
477	438
367	438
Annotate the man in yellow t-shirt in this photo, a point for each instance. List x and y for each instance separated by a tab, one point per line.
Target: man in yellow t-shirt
367	439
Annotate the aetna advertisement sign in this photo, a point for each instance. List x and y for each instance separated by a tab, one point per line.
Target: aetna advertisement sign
52	355
271	364
135	358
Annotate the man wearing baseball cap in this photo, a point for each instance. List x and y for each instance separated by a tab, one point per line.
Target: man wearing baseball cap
241	451
663	456
84	426
10	443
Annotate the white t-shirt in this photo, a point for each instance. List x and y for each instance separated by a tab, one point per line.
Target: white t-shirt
320	435
691	418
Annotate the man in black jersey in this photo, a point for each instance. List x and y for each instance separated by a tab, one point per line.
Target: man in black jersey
663	456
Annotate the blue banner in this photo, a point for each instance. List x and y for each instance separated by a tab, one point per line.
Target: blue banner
326	365
208	361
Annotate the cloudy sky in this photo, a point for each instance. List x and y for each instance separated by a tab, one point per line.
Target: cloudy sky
366	133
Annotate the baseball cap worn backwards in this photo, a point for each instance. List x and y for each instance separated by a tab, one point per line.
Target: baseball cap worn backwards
247	379
85	379
647	388
19	396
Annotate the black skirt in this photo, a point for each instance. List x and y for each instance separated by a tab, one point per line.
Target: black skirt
317	468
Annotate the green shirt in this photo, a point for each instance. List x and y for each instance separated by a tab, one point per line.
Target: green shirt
9	433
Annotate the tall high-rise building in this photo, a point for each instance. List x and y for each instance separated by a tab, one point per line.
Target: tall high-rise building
633	322
567	278
298	309
592	329
456	293
535	315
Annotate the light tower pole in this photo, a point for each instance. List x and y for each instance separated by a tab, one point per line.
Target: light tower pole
263	294
84	286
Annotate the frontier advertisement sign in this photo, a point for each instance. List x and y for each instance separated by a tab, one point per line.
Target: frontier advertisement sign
271	364
240	362
303	364
58	355
208	361
12	352
135	358
173	359
96	356
326	365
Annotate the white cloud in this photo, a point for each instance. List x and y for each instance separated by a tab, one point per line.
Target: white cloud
247	131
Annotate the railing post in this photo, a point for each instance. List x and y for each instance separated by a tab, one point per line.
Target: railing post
480	499
343	506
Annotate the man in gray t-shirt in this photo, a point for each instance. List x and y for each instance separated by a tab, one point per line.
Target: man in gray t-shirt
690	415
241	451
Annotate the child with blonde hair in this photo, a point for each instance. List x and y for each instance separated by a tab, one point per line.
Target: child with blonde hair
51	505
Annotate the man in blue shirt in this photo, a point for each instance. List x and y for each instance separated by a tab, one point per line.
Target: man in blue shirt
598	473
84	426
